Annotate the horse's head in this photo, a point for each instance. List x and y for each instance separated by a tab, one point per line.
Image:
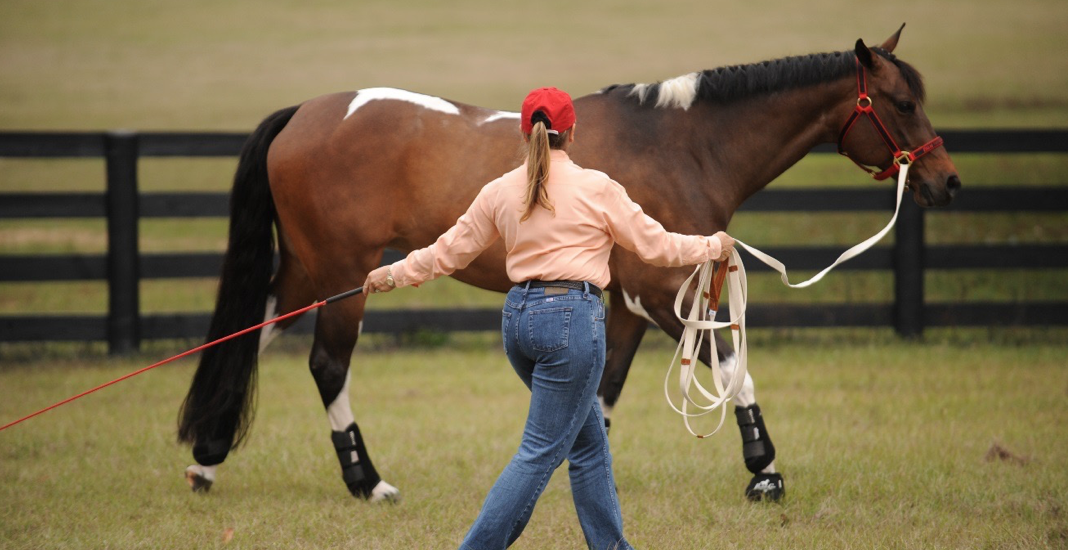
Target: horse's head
895	93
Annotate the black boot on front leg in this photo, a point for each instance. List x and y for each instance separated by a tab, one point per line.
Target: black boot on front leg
356	467
759	453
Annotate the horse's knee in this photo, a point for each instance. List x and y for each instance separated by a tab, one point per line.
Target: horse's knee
330	374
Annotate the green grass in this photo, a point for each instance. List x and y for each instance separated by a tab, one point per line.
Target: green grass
881	441
882	445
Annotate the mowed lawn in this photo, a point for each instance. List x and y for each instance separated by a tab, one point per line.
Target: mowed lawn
883	444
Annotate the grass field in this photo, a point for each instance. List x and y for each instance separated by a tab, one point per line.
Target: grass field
882	444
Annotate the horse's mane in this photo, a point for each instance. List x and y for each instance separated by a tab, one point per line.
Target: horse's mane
735	82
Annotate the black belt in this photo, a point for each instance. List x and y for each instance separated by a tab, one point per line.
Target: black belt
577	285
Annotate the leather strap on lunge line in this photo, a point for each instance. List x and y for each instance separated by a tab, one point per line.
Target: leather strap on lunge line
697	400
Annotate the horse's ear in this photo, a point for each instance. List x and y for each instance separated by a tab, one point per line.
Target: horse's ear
864	54
891	42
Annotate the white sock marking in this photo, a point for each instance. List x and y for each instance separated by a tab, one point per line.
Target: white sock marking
206	472
747	395
385	492
340	411
427	102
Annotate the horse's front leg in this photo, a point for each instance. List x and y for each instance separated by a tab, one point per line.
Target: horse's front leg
757	449
336	332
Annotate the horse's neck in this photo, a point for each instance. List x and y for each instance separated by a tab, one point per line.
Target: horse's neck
765	136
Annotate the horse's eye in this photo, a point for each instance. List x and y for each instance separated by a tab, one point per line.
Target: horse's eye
906	107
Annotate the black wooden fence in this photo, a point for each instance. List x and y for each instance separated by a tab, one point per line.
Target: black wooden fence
123	266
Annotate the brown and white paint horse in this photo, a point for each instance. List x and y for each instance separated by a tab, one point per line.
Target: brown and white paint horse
347	175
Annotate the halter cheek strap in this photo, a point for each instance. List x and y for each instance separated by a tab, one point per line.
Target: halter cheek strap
864	108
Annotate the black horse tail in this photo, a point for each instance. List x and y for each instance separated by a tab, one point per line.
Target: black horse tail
218	411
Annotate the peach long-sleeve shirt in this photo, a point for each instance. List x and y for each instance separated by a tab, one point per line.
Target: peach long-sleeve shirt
593	212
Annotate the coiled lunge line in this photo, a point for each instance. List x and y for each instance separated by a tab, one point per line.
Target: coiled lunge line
702	315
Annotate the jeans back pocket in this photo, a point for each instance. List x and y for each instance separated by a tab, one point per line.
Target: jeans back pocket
549	328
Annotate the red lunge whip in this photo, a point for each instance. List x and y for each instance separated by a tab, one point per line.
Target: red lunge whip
319	304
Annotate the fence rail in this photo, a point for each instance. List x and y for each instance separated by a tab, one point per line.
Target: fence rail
123	266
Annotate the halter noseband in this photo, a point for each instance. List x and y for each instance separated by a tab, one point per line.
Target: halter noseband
864	107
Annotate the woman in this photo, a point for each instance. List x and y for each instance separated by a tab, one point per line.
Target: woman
559	223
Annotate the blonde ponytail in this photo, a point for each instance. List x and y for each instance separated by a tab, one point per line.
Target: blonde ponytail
537	171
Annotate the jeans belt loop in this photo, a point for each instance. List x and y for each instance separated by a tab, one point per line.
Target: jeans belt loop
586	290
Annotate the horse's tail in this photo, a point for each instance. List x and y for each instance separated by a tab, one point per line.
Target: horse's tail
218	411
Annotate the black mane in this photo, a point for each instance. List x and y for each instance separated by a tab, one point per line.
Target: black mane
731	83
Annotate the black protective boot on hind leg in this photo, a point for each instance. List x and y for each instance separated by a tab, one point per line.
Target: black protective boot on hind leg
356	468
759	453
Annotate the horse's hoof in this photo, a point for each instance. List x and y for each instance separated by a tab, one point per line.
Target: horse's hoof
385	493
768	487
198	479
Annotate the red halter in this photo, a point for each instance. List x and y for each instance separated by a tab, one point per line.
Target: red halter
864	108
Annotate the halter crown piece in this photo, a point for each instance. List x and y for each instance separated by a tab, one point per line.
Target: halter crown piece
696	400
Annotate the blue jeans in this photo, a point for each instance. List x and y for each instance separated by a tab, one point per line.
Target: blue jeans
555	343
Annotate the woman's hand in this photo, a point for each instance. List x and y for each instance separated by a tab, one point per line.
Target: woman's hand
726	243
379	280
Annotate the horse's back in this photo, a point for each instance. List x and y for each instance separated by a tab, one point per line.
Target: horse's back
384	168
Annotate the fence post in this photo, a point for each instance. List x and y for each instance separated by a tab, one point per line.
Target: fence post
908	270
123	260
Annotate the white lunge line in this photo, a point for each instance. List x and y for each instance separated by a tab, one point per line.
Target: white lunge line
701	318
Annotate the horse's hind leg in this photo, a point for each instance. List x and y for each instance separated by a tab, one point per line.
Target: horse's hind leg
336	332
290	290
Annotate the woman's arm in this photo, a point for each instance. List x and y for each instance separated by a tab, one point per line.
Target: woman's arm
636	231
455	249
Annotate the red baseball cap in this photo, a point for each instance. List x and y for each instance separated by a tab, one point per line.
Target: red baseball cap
556	105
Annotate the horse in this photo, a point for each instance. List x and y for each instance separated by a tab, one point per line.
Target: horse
344	176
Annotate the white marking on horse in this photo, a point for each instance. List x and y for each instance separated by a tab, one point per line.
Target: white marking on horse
269	332
678	92
727	367
340	410
384	492
499	115
635	306
363	97
640	90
